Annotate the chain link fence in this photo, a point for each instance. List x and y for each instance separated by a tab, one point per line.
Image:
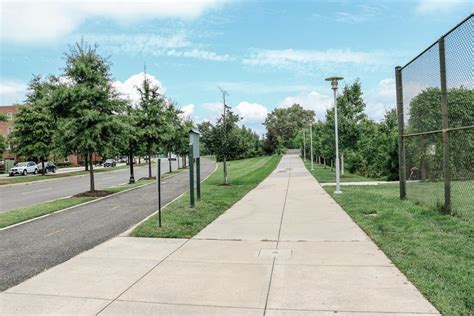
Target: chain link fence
435	105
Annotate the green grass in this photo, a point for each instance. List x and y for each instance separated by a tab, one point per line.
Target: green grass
23	214
431	194
37	210
435	251
325	174
20	179
179	221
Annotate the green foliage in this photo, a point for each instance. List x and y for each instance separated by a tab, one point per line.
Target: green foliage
229	139
34	125
369	148
87	105
283	124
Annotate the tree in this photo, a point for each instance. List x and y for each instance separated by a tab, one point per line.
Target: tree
87	105
3	118
151	119
34	125
283	124
205	128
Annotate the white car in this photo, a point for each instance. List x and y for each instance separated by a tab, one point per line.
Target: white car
24	168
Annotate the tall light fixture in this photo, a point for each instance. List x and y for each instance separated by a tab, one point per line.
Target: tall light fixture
334	81
304	145
311	140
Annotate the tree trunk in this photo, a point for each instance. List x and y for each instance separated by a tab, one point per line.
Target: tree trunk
130	161
86	162
149	163
226	180
42	166
177	160
91	174
169	162
139	160
184	161
342	164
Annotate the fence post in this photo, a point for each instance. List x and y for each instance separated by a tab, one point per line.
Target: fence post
444	113
402	174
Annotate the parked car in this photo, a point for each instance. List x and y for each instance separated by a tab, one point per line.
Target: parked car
110	163
172	157
24	168
49	166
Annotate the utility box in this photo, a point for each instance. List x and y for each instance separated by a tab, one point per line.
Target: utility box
194	140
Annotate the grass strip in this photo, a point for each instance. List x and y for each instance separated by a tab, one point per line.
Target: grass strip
325	174
22	179
435	251
23	214
180	221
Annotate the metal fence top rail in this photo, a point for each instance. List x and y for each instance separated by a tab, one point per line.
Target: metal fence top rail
436	42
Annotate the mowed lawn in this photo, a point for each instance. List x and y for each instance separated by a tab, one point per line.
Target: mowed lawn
435	251
180	221
324	174
431	194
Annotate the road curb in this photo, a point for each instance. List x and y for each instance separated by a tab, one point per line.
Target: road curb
82	204
55	179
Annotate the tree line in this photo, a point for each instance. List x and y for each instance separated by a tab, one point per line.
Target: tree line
79	112
366	147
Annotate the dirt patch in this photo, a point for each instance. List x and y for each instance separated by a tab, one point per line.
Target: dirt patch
148	178
96	193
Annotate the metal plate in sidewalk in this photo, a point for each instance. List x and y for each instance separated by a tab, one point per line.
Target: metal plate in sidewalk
275	253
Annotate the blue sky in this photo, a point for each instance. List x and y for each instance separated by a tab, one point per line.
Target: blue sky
266	54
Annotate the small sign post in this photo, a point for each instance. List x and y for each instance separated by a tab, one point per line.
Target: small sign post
158	182
194	155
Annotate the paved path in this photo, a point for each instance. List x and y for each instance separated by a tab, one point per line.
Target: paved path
17	196
33	247
285	249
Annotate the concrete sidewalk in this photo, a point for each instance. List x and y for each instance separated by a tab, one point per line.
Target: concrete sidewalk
285	249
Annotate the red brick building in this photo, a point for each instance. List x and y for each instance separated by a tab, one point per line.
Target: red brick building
6	128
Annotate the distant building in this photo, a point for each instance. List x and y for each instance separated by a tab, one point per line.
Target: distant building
6	128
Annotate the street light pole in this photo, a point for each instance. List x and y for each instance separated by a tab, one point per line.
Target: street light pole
334	81
224	158
311	144
304	145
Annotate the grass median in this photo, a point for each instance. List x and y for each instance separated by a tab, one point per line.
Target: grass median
325	174
434	251
22	179
180	221
26	213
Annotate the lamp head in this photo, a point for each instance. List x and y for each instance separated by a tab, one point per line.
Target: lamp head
334	81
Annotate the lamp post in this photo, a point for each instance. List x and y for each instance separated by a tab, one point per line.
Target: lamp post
334	81
304	145
311	144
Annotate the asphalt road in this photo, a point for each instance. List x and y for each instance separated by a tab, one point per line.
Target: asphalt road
33	247
22	195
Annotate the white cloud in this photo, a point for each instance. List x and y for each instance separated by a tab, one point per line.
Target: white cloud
197	53
33	20
259	88
128	88
440	6
288	57
176	45
313	100
12	92
380	99
187	111
251	111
